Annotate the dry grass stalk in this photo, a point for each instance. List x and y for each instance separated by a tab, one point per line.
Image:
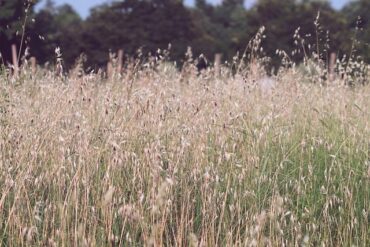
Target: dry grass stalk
217	63
213	161
33	65
332	65
15	60
119	61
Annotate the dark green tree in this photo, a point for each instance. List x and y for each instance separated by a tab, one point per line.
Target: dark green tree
12	24
358	17
232	15
56	27
326	27
204	6
278	17
224	27
282	18
151	24
210	33
133	24
44	37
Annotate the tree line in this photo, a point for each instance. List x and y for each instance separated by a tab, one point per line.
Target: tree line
149	25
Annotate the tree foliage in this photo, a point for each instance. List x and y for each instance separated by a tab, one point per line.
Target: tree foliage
151	24
13	22
56	27
133	24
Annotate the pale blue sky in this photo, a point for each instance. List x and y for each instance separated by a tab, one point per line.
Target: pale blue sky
83	6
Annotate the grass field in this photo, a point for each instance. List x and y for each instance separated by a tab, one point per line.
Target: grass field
158	157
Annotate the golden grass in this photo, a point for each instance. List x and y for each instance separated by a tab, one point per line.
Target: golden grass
156	157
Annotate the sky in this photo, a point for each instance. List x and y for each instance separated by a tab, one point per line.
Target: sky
83	6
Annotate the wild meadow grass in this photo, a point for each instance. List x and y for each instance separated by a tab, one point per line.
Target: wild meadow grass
159	157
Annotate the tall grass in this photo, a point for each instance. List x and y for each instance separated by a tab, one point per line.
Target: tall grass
162	157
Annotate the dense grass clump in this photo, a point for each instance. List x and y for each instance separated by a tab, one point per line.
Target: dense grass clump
161	157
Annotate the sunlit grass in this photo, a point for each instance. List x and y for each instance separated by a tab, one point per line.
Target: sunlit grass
160	157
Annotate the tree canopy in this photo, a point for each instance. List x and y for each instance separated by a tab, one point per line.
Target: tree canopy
13	23
154	24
